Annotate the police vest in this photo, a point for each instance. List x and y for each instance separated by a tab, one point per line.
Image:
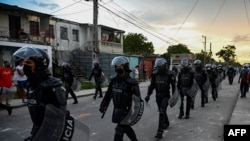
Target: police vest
185	79
161	83
198	77
120	96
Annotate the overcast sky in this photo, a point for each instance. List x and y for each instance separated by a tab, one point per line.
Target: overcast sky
163	22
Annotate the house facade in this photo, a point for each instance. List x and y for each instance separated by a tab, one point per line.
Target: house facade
62	39
176	60
22	27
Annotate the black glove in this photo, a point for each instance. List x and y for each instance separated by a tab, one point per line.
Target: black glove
102	109
147	98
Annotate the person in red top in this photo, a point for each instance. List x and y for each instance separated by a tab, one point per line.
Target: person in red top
5	85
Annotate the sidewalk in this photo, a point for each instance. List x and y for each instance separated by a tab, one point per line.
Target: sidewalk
241	113
16	103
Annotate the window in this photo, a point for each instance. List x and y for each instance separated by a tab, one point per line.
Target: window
75	35
64	33
34	28
50	33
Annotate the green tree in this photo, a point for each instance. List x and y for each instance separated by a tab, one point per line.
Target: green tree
175	49
227	53
178	49
207	55
137	44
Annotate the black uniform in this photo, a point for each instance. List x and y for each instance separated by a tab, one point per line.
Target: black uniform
201	77
244	81
121	90
185	81
231	73
68	78
97	72
212	75
221	73
42	90
161	82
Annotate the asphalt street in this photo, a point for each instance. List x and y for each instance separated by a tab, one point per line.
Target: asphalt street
205	123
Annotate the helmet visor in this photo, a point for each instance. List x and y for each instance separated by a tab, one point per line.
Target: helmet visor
117	61
160	62
26	52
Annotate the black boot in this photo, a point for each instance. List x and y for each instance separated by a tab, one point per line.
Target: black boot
100	96
158	135
202	105
181	114
9	109
206	100
166	125
75	102
187	117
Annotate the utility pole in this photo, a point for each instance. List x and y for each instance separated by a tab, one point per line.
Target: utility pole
210	53
95	49
204	49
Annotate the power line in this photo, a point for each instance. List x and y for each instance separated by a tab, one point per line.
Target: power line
73	13
139	21
188	15
246	13
65	7
135	24
216	16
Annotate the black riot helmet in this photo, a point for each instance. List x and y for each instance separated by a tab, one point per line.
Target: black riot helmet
39	56
197	63
66	65
160	64
121	60
208	66
184	62
96	64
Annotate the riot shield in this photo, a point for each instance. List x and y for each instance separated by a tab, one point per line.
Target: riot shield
135	113
206	85
174	99
76	86
57	126
193	90
217	83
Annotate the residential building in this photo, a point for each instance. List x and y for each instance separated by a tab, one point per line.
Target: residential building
63	40
22	27
176	60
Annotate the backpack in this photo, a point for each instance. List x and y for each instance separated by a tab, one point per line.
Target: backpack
244	75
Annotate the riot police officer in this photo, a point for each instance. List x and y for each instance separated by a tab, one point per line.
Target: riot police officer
185	81
221	72
212	76
97	72
68	78
121	89
42	88
231	74
161	81
244	81
200	77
